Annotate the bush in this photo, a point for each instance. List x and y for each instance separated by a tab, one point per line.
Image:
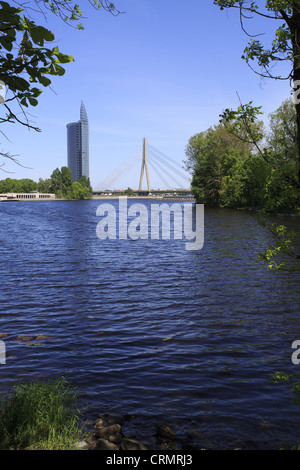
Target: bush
40	415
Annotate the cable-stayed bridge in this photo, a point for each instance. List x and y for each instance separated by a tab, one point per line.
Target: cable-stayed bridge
166	169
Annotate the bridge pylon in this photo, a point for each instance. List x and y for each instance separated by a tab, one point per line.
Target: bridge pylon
144	166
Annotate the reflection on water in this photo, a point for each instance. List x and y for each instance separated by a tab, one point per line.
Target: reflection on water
149	328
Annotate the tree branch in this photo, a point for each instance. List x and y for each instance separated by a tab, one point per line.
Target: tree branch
13	116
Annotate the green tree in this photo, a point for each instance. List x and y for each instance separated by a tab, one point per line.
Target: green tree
243	184
129	192
231	170
281	188
283	48
245	119
281	141
78	191
213	140
24	185
44	186
85	183
211	156
61	181
282	137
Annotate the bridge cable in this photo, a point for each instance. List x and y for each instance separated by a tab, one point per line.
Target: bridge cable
164	156
170	166
157	172
165	171
119	171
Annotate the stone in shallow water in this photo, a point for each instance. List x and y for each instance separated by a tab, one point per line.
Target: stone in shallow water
115	419
103	444
82	445
112	433
133	444
99	423
165	432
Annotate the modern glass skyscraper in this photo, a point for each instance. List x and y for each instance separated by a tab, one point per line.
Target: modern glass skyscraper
78	146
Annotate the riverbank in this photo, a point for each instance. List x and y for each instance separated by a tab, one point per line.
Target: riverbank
112	432
153	198
47	415
103	198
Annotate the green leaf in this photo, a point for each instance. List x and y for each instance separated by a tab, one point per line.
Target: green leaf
6	43
20	84
44	80
40	34
32	101
36	92
64	58
24	102
59	70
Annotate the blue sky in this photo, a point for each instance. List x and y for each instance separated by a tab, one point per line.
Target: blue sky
162	70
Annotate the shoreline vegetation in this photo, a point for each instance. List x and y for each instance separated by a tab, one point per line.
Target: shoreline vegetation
60	183
295	212
113	197
60	187
45	415
238	164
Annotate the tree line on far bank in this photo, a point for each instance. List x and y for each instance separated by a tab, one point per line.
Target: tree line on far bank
60	183
228	169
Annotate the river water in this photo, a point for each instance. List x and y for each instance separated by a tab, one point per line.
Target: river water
148	328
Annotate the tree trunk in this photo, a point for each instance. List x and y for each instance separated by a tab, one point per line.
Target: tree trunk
295	30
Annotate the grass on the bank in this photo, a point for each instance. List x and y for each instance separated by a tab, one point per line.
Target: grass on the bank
40	415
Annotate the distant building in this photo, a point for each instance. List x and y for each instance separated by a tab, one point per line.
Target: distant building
78	146
32	196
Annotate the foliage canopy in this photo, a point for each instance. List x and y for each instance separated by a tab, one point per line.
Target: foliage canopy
29	57
284	47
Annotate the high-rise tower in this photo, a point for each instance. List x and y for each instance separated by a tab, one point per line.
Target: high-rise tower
78	146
